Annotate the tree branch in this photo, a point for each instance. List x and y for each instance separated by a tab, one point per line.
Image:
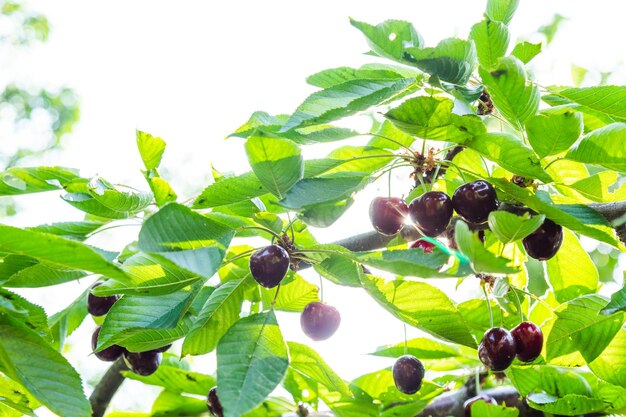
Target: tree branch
111	381
107	387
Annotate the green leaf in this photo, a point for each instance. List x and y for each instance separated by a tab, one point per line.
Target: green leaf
63	323
575	220
71	230
553	131
611	365
277	163
422	348
571	271
57	251
18	271
18	180
295	293
483	409
137	312
151	149
309	363
337	268
492	41
149	275
501	10
230	190
162	190
15	400
141	340
190	240
314	191
116	200
218	314
568	405
550	379
509	227
603	187
526	51
390	38
335	76
513	94
420	305
607	99
452	60
605	147
344	100
28	314
175	379
325	215
579	327
617	303
432	118
480	258
406	262
50	378
171	404
252	360
510	153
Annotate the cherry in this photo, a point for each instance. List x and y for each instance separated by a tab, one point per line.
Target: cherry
109	354
528	340
544	243
475	200
408	373
424	245
481	397
497	349
432	212
143	363
269	265
388	214
319	321
213	402
99	306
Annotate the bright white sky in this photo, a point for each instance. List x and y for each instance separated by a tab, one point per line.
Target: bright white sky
193	71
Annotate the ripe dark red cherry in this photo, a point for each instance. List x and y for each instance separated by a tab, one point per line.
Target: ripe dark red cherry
544	243
408	373
432	212
319	321
99	306
388	214
475	200
528	341
213	403
269	265
109	354
497	349
481	397
424	245
143	363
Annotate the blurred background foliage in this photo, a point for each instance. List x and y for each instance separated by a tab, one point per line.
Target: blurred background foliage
33	119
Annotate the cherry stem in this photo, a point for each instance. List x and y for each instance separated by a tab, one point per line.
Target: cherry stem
406	343
534	297
290	225
488	306
104	229
265	229
459	170
275	297
321	288
553	161
390	140
518	304
477	379
241	255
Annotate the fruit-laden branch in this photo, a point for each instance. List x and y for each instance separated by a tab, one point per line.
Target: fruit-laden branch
613	212
107	387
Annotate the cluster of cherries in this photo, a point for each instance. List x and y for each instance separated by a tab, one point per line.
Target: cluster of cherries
432	212
141	363
269	265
